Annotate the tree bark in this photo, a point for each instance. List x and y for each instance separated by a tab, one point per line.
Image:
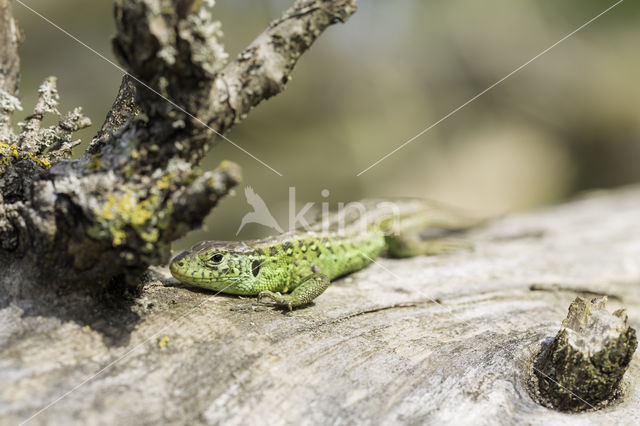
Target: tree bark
78	226
449	339
9	67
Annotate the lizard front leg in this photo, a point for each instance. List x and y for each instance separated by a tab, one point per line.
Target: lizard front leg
308	288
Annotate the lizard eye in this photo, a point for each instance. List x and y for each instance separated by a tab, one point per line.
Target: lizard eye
215	259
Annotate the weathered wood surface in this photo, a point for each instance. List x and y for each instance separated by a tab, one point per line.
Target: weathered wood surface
448	339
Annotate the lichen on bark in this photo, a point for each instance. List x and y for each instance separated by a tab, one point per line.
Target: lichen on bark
73	225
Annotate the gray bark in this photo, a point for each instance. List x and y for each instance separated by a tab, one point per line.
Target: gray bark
79	227
449	339
9	68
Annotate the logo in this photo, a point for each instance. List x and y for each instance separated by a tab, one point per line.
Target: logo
260	214
384	215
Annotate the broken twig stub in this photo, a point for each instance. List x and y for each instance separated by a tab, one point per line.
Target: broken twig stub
583	366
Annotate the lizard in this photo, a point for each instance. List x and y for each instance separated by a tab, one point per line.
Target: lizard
294	268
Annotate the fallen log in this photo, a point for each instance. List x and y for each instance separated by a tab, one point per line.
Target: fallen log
444	339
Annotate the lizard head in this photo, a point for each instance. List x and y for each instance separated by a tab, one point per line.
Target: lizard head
226	266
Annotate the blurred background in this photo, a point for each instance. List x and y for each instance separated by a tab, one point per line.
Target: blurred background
566	123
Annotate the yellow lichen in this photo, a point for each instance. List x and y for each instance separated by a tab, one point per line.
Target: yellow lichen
164	181
130	212
163	341
95	163
119	237
12	153
151	236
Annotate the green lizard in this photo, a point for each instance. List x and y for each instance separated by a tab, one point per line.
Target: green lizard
304	262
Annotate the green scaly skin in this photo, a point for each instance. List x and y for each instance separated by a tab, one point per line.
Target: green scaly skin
304	263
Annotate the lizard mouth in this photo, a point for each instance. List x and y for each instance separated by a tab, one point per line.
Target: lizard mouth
180	271
201	278
176	264
180	275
